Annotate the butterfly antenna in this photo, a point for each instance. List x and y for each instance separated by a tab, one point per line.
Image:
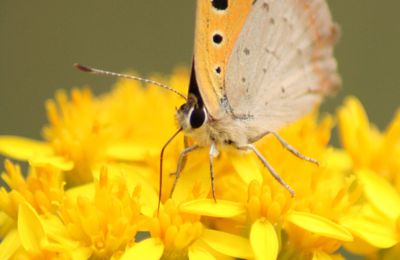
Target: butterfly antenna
161	167
119	75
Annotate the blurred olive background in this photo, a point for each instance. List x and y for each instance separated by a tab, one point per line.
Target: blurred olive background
40	40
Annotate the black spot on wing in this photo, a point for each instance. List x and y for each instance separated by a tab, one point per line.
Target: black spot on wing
265	6
272	21
219	4
217	38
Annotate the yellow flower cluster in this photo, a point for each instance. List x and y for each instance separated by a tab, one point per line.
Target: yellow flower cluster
91	189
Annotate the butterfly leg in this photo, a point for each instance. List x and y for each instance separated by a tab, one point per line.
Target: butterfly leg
269	167
213	153
182	156
292	149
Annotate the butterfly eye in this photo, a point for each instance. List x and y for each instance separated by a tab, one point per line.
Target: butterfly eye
197	117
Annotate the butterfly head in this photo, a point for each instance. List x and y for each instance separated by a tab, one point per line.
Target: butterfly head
191	115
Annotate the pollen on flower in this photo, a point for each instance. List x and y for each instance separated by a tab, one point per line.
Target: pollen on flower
120	125
108	222
76	132
177	230
332	197
267	202
43	189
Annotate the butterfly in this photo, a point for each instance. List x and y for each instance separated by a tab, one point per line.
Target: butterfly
258	65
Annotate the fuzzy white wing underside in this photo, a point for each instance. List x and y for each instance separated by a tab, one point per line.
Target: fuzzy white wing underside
282	63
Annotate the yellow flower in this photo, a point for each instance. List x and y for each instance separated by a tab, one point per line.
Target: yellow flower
367	146
276	224
96	221
42	189
375	158
177	233
85	131
92	187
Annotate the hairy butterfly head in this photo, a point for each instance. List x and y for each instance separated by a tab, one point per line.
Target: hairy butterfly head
191	115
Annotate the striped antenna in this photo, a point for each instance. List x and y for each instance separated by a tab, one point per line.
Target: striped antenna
119	75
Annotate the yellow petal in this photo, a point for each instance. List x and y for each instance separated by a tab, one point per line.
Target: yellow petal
353	124
393	131
23	148
199	253
200	250
192	174
227	244
321	255
148	249
264	240
319	225
81	253
58	238
381	194
208	207
336	159
6	222
9	245
130	152
360	247
352	113
86	190
374	231
247	168
55	161
30	229
134	176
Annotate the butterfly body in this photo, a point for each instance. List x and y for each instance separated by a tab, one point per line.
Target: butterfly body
258	66
202	127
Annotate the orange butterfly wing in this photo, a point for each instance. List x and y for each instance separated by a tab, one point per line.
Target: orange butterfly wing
218	24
